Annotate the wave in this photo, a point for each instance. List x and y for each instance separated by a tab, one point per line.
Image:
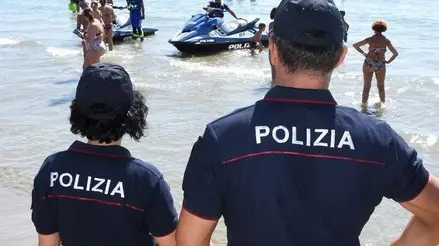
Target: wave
62	52
9	41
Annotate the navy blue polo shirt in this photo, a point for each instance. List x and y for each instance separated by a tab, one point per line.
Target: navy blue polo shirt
100	195
296	169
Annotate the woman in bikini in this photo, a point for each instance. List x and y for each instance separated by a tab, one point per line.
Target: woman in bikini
375	61
108	17
93	40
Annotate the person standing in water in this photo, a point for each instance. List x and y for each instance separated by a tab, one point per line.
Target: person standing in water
96	12
255	41
270	29
137	14
108	17
93	39
345	25
375	61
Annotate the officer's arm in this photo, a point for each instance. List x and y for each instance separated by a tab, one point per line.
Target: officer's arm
49	240
202	203
143	8
44	209
423	228
415	189
162	217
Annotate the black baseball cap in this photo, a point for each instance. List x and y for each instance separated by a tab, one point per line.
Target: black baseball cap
104	91
309	22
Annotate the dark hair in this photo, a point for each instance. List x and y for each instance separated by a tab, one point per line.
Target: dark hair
261	25
88	12
379	26
103	2
298	57
133	123
273	13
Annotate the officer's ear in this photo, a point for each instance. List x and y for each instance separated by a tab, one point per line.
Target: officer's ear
344	51
274	55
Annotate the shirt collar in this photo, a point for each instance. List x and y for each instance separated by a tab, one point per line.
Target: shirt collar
114	151
295	95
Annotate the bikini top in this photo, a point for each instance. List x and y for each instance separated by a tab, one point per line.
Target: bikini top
376	50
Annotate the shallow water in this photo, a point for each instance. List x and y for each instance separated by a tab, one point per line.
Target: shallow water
40	62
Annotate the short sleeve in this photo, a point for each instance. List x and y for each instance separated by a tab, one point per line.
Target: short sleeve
161	216
202	196
44	210
408	175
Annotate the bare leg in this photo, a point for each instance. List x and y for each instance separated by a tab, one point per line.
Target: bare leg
367	75
381	76
109	36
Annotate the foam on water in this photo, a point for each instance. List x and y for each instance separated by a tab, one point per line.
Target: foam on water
62	52
8	41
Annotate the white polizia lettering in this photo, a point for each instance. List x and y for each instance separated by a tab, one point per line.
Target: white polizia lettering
312	137
87	183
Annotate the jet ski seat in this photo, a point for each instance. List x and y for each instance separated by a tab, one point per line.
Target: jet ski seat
244	27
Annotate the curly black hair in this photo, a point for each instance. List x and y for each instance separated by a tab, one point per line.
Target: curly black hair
132	123
273	13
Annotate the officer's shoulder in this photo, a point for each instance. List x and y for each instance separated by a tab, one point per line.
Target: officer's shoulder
51	159
237	116
348	114
144	168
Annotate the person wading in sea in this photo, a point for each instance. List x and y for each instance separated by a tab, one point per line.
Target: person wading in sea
295	168
375	61
96	193
108	17
93	39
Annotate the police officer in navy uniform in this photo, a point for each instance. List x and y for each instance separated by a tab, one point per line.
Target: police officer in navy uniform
218	5
295	168
96	193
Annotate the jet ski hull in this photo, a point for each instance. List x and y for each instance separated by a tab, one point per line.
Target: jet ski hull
125	33
210	45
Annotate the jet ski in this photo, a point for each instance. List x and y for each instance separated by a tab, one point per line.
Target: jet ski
122	28
208	32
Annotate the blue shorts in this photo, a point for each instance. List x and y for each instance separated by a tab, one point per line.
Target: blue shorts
136	18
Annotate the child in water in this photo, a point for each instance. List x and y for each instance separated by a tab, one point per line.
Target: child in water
256	39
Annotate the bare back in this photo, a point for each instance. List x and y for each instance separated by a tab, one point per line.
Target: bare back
82	21
377	47
107	14
95	32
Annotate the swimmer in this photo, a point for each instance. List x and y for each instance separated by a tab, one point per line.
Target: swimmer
108	17
375	62
96	12
255	41
270	28
345	25
81	25
93	40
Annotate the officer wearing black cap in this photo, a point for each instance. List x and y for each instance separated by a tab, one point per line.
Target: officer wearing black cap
295	168
96	193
